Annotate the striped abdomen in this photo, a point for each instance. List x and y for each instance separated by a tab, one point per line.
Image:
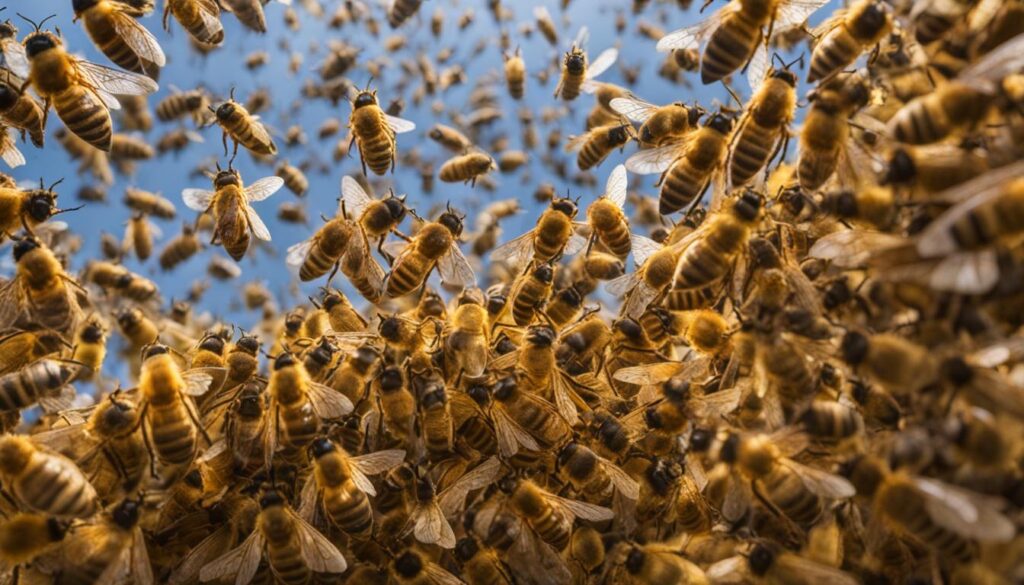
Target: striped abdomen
437	429
709	259
988	222
326	250
88	571
838	49
285	558
731	45
401	10
188	14
110	43
682	184
553	527
174	436
786	490
904	506
24	387
131	457
689	299
530	297
753	147
593	153
929	25
25	114
84	115
794	379
551	237
922	121
239	128
375	139
349	509
478	435
54	485
408	274
618	239
570	85
299	425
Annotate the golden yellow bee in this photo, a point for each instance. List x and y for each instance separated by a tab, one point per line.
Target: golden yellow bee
435	245
577	75
659	125
597	143
763	130
466	168
230	204
41	292
113	29
81	92
374	132
20	110
201	18
44	481
842	38
772	564
243	128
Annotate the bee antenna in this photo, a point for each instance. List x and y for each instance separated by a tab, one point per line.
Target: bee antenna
776	57
55	183
368	82
231	94
28	20
69	209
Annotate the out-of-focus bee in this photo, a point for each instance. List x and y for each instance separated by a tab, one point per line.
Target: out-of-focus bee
230	205
768	563
413	568
243	128
434	245
576	74
596	144
824	137
763	130
842	38
137	328
688	166
201	18
450	138
606	218
374	132
651	564
400	11
515	75
180	248
428	521
317	255
554	236
41	292
931	20
294	178
194	103
292	548
735	33
83	99
481	564
21	110
177	140
138	236
147	202
45	482
659	125
466	168
552	516
115	32
959	104
109	544
19	348
42	381
124	148
546	25
25	536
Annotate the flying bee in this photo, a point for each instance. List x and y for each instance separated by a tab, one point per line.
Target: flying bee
450	138
960	104
43	381
152	203
81	92
576	74
546	24
374	132
294	178
597	143
608	222
201	18
467	167
841	39
180	248
340	486
324	250
515	75
434	245
20	110
9	149
230	205
735	34
687	166
20	347
292	548
194	103
27	208
768	563
45	482
555	235
659	125
41	292
113	29
825	135
138	237
400	11
243	128
763	130
428	523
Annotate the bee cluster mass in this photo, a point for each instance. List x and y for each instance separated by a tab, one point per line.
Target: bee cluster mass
809	370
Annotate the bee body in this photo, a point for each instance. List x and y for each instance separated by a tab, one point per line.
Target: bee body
574	71
709	258
532	294
329	244
40	379
100	21
413	267
863	26
53	76
515	76
195	16
372	133
45	482
732	44
771	110
180	249
688	177
244	129
465	167
401	10
21	111
174	435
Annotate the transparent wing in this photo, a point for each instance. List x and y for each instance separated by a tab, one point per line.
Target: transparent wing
452	500
732	570
853	247
638	299
563	399
826	485
138	38
455	268
297	252
622	481
259	229
372	464
603	62
757	68
654	160
622	285
355	197
431	527
510	435
717	404
436	575
328	402
964	512
582	37
576	241
576	143
263	188
114	82
581	510
308	498
970	273
197	199
399	125
141	568
643	247
209	14
615	188
1005	59
320	554
203	553
794	13
649	374
633	108
199	381
241	563
14	58
10	153
692	36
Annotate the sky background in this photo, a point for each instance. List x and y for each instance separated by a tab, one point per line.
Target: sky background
224	69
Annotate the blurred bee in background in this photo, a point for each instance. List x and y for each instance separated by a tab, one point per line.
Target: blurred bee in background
577	75
201	18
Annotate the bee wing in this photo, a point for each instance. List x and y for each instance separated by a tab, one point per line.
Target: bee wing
991	390
717	403
197	199
453	499
455	268
308	498
140	40
320	554
209	14
1002	61
431	527
615	188
757	68
327	402
581	510
795	569
141	568
853	247
563	399
510	435
633	108
297	252
662	371
692	36
966	513
355	197
822	483
622	481
399	125
969	273
436	574
263	188
539	561
643	247
372	464
113	82
937	238
199	381
207	550
371	269
576	143
732	570
259	229
999	353
737	497
14	58
654	160
241	562
793	13
9	150
622	285
516	252
598	66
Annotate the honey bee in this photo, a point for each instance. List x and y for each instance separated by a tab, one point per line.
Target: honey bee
201	18
659	125
466	168
842	38
593	475
595	146
194	103
576	74
552	516
435	245
149	203
322	252
554	236
413	568
428	523
180	248
522	419
960	104
480	563
735	32
400	11
529	293
81	92
545	24
933	19
515	75
45	482
27	208
606	218
374	132
688	166
466	339
450	138
41	292
138	236
769	563
12	53
763	130
243	128
110	544
655	563
230	205
292	548
115	32
20	110
25	536
19	347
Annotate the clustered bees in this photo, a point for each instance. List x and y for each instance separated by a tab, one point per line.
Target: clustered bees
809	370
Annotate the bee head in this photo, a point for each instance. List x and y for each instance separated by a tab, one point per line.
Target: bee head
748	206
466	549
901	168
250	405
226	110
212	343
92	333
452	221
39	42
544	273
154	349
957	371
760	559
629	328
635	559
479	394
126	514
854	347
435	394
42	205
786	76
396	208
226	178
576	62
321	447
720	123
408	564
505	387
7	29
248	344
365	98
619	134
391	379
872	19
271	498
541	335
284	360
566	206
80	6
118	416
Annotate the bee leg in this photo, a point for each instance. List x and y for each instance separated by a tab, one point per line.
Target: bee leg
167	15
115	462
146	440
234	153
224	141
704	6
46	111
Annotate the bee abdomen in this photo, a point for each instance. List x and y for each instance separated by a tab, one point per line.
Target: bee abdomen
188	15
318	262
404	279
786	490
552	530
571	86
730	46
377	152
681	186
85	115
814	168
916	123
618	240
351	512
753	147
688	299
113	46
478	436
401	10
288	564
591	155
700	267
175	444
56	489
837	50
